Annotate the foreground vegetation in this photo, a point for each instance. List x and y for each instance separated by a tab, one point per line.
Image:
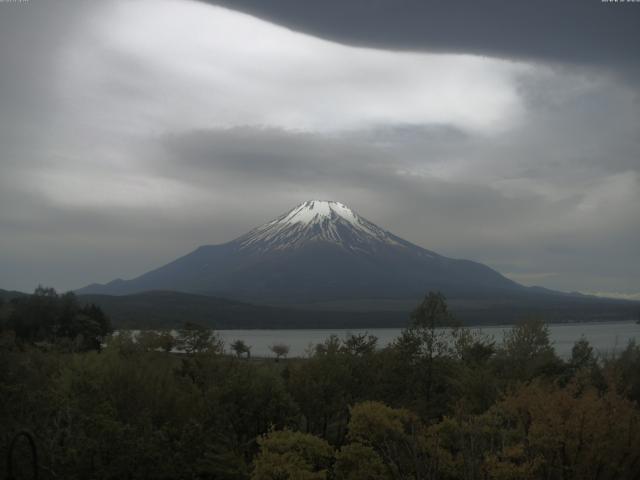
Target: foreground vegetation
436	404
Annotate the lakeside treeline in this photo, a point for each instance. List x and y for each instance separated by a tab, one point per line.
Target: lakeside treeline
435	404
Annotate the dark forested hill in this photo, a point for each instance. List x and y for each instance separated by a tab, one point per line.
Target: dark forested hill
9	294
167	309
160	309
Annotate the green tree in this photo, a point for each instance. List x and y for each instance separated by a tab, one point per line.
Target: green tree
582	355
623	371
356	461
325	385
420	363
359	344
428	320
472	347
475	381
287	455
240	348
35	318
396	435
166	341
148	340
59	320
193	338
252	395
280	350
526	352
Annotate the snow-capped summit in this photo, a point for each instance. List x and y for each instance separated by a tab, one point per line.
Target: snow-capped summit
317	210
317	221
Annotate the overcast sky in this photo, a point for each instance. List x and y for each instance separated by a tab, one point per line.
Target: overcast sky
505	132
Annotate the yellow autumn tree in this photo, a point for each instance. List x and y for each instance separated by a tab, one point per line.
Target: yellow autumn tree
570	433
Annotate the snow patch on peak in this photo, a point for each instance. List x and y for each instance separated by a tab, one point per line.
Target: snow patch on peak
317	220
317	210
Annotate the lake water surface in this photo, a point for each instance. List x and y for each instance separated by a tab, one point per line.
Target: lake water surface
605	337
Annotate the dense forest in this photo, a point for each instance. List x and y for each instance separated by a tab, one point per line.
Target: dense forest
435	404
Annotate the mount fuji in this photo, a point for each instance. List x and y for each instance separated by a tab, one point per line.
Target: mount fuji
321	265
318	251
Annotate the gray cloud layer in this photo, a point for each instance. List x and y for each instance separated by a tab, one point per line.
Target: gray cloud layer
571	31
118	155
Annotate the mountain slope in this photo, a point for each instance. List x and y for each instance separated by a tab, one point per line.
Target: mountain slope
318	251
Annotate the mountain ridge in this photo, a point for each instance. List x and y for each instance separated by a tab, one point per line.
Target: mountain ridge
319	250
